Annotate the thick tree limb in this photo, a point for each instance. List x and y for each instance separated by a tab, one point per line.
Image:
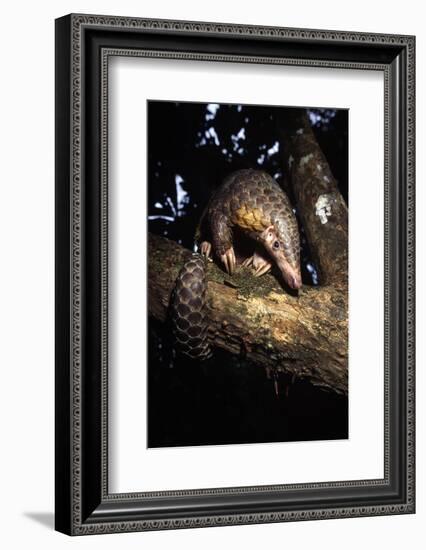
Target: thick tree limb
321	207
303	334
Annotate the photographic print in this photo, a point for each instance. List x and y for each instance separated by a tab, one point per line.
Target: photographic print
202	292
247	274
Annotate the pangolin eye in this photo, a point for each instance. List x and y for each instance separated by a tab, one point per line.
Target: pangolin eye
276	245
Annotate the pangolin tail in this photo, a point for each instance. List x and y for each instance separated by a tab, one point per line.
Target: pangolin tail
188	310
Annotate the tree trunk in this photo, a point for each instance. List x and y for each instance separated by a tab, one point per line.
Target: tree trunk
303	334
320	205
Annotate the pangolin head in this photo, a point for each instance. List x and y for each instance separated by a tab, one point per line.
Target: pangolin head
285	253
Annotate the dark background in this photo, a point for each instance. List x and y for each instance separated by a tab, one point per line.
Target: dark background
191	148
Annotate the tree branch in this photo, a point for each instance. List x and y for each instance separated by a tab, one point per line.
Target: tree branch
303	334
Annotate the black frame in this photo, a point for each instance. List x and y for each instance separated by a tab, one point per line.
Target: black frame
83	45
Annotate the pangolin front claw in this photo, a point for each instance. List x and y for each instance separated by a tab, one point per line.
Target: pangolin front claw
260	264
206	249
247	262
229	260
261	270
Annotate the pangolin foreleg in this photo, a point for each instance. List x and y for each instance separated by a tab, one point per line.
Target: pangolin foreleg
222	240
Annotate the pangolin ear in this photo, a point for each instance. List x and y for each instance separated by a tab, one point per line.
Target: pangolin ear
269	234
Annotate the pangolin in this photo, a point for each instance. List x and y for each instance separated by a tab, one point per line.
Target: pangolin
249	203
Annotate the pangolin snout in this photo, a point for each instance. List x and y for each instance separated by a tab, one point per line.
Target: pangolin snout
294	281
290	274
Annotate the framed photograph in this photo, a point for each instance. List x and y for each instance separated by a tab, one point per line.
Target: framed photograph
234	274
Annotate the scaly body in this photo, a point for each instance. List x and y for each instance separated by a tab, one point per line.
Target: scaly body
248	202
252	202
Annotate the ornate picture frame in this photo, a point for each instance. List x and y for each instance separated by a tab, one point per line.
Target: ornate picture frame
84	44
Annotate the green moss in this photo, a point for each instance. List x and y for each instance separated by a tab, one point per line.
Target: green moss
215	274
246	284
